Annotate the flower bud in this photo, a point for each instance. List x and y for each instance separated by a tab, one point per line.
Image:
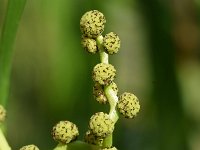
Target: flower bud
90	138
90	45
29	147
2	113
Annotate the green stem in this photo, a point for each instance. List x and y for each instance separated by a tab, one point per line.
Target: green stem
61	146
3	143
103	54
14	12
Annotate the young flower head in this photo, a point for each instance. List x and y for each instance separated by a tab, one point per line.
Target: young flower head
29	147
65	132
101	125
90	138
111	43
90	45
92	23
2	113
98	92
103	73
128	105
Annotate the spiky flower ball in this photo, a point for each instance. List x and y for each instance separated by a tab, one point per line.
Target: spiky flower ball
93	139
112	148
98	92
29	147
101	125
128	105
65	132
92	23
103	73
2	113
90	45
111	43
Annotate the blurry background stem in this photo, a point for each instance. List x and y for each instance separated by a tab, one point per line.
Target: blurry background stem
14	11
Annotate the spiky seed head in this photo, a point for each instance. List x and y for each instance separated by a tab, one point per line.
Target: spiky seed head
128	105
111	43
101	125
92	23
103	73
90	45
2	113
112	148
65	132
98	92
29	147
90	138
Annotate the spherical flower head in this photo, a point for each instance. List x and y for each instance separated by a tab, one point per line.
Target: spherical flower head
128	105
29	147
112	148
2	113
103	73
90	138
92	23
101	125
65	132
90	45
111	43
98	92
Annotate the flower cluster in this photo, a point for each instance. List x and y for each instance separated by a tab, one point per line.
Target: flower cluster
101	125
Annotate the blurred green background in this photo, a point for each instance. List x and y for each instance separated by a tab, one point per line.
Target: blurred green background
159	61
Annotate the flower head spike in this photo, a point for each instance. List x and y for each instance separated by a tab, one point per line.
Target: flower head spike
103	73
98	92
29	147
2	113
65	132
92	23
128	105
90	45
111	43
101	125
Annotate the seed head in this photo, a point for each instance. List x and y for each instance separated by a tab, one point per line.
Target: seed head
98	92
92	23
111	43
103	73
101	125
90	45
29	147
2	113
128	105
65	132
90	138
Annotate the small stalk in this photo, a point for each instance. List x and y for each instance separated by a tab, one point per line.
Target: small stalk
3	143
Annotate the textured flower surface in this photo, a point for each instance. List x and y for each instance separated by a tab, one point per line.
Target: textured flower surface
111	43
112	148
103	73
92	23
128	105
93	139
65	132
29	147
101	125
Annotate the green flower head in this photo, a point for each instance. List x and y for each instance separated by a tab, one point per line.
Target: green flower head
103	73
90	138
90	45
111	43
112	148
101	125
98	92
2	113
92	23
29	147
128	105
65	132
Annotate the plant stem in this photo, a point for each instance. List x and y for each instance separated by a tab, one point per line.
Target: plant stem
61	146
110	94
3	143
14	11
